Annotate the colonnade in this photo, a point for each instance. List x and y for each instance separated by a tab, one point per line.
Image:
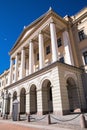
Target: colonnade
54	52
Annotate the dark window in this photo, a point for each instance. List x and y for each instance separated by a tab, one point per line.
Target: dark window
47	50
37	56
81	35
85	57
59	42
0	84
61	59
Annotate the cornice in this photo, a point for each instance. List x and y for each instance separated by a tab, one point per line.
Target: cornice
46	69
80	18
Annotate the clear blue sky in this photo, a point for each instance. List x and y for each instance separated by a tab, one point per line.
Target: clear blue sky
14	14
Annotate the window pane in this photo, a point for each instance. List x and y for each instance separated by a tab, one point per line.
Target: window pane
85	57
59	42
37	56
81	35
47	50
61	59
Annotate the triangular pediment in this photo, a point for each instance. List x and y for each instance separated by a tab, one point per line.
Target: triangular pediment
34	25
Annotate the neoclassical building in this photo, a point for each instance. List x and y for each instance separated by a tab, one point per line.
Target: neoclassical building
48	66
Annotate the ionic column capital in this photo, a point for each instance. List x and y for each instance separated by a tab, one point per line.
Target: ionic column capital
17	53
52	21
31	41
40	32
23	48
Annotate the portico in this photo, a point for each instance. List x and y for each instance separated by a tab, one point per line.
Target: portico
36	45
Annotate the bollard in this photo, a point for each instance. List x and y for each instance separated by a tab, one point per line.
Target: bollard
49	119
82	121
28	117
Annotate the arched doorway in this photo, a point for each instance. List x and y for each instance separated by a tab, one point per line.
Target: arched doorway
73	98
14	95
23	101
33	100
47	102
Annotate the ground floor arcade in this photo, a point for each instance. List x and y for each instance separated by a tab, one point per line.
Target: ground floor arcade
57	89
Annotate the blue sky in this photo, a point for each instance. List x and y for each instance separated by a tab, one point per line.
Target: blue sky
15	14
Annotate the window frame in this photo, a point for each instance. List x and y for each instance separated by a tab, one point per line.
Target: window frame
81	35
37	56
85	57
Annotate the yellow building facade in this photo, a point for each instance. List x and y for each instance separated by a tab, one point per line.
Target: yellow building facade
48	66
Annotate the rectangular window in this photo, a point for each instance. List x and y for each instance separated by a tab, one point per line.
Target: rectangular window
0	84
85	57
59	42
37	56
47	50
61	59
81	35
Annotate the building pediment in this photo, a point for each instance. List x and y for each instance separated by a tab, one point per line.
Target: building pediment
29	30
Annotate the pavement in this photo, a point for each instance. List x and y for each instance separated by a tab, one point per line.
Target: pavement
38	125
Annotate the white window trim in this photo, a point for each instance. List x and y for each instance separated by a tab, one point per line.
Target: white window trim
84	50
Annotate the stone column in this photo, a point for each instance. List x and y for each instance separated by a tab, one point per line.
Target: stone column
41	51
18	98
11	70
3	110
27	67
67	47
11	99
4	107
39	102
5	102
28	103
31	58
53	42
22	63
16	68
